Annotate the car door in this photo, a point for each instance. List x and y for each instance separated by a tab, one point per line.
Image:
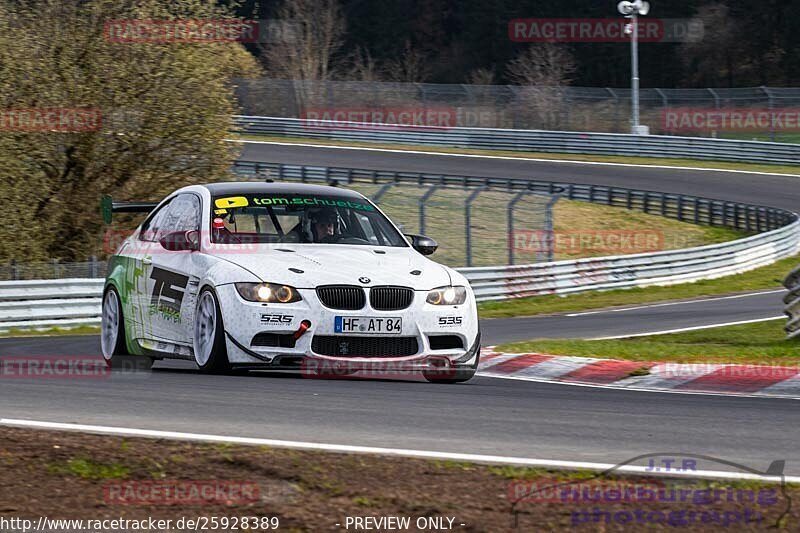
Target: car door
172	277
137	253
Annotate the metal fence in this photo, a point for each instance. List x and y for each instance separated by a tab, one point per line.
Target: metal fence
594	109
53	270
72	302
792	303
529	140
683	207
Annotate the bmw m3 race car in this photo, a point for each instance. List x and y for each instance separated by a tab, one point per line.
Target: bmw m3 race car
278	276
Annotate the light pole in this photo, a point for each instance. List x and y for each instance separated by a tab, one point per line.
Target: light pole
632	10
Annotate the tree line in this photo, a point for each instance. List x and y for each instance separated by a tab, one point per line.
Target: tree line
745	43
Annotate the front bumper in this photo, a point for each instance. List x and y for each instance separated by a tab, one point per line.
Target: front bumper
247	322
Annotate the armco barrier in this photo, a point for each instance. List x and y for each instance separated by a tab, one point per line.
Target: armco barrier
792	302
72	302
42	304
640	270
527	140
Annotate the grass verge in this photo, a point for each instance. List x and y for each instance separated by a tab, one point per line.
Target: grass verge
657	161
758	343
46	473
80	330
767	277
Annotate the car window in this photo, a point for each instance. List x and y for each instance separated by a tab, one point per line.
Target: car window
301	218
184	215
153	223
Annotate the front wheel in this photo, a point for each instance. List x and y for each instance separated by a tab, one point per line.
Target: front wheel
208	340
112	336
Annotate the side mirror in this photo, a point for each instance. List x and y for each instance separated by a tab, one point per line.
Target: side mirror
181	241
422	244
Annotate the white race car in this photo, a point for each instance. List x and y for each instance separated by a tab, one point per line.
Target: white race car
280	276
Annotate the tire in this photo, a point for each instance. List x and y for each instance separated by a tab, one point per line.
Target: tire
113	342
208	339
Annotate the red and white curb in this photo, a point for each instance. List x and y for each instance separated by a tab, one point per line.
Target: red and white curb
694	378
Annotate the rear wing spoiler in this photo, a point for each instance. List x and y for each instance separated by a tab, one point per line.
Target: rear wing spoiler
108	207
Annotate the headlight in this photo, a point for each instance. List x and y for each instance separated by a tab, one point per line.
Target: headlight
268	292
447	296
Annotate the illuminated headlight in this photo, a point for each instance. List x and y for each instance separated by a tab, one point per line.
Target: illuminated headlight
268	292
447	296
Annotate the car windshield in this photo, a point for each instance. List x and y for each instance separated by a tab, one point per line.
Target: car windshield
300	218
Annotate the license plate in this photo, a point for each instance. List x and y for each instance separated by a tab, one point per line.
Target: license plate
368	325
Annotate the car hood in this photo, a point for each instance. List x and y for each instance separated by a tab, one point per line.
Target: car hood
340	264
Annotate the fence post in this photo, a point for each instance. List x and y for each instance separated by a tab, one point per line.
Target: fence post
93	266
770	105
55	268
422	200
548	225
510	225
468	221
14	271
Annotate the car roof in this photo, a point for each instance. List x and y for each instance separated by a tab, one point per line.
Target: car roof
254	187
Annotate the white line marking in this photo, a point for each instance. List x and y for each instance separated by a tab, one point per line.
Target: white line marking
512	158
684	302
693	328
400	452
641	389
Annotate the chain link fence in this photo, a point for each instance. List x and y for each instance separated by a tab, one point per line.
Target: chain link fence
590	109
92	268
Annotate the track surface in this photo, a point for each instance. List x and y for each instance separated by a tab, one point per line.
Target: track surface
486	415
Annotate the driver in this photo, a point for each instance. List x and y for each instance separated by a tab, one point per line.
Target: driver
323	225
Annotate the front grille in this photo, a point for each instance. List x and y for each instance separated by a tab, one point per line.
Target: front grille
346	346
390	298
347	297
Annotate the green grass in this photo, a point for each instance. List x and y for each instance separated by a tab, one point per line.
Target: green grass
768	277
757	343
571	220
80	330
753	167
88	469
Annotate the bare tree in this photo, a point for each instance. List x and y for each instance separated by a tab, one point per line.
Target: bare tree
363	67
543	71
411	66
713	60
308	56
481	76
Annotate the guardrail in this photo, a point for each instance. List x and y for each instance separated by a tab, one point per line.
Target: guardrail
640	270
527	140
73	302
42	304
683	207
792	303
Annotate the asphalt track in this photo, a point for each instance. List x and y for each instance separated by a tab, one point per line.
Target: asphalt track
487	415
